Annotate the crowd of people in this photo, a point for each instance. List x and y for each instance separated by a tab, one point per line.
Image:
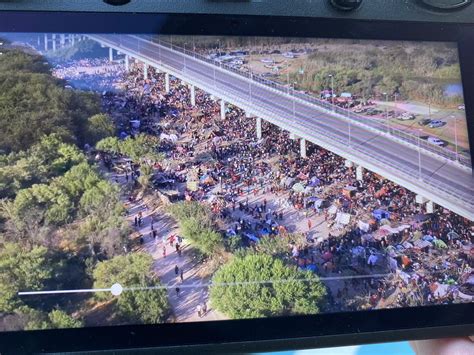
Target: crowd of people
374	228
93	74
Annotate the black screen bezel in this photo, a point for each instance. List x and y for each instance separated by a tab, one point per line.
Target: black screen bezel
279	333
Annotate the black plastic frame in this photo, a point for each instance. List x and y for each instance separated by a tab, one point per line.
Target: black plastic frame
280	333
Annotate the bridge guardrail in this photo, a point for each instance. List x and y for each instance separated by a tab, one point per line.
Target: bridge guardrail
371	122
403	170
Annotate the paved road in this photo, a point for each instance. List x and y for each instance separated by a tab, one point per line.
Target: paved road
442	182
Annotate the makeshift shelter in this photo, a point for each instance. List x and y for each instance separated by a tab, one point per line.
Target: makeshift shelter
135	123
314	181
332	209
381	214
438	243
349	191
343	218
367	237
298	187
302	176
363	226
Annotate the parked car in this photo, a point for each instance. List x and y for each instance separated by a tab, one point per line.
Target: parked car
436	141
436	124
424	122
406	116
461	107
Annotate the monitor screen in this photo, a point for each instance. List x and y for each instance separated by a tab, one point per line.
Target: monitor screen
157	179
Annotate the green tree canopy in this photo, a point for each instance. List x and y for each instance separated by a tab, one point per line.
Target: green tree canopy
141	148
262	286
33	103
49	158
55	319
21	270
99	126
195	222
133	271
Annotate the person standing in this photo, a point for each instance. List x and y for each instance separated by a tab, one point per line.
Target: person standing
177	291
204	309
136	221
309	224
176	270
181	275
199	310
164	251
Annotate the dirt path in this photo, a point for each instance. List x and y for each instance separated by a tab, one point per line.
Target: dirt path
193	290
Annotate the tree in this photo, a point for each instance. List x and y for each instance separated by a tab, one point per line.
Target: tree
262	286
49	158
21	270
196	223
55	319
33	103
99	126
143	148
110	145
134	272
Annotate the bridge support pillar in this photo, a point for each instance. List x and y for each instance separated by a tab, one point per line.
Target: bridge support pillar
54	41
348	164
167	83
145	71
62	40
192	89
420	199
430	207
45	42
360	173
259	127
111	54
127	62
222	109
303	147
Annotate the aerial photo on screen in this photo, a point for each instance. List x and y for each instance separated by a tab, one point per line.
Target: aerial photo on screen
159	179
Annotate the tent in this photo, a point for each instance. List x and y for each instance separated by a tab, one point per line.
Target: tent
298	187
252	237
393	230
314	181
438	243
308	189
332	209
302	176
453	235
421	244
349	191
135	123
343	218
422	217
358	251
287	181
381	214
327	256
367	237
363	226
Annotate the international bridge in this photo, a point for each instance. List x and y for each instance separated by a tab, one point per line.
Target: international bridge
436	174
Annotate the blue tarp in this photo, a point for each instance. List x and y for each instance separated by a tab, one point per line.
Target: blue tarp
381	214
